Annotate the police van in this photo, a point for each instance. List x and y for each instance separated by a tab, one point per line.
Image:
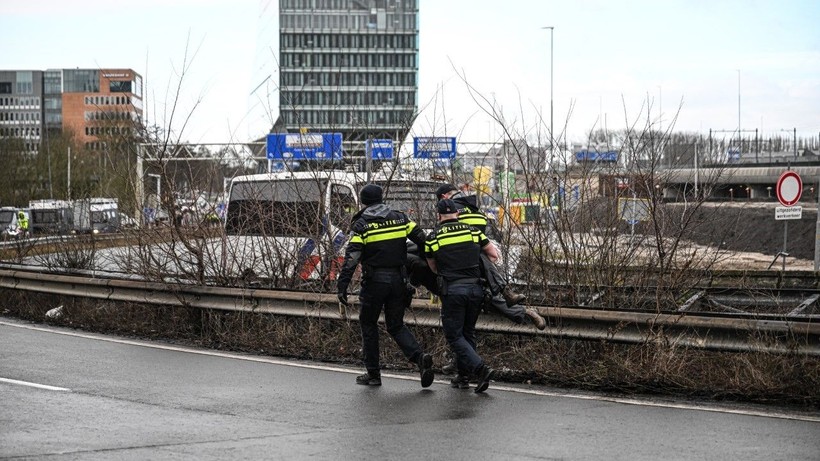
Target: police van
51	217
96	215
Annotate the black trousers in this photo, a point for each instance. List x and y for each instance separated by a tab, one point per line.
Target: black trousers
460	309
385	290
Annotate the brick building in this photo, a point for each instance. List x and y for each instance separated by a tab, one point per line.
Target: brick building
91	103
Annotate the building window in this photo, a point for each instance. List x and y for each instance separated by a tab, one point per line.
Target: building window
119	87
81	81
51	82
24	84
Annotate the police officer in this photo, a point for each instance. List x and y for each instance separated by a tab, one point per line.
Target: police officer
378	242
22	223
453	252
503	300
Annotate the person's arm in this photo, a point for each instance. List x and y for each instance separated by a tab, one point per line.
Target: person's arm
488	247
430	247
415	234
432	264
353	254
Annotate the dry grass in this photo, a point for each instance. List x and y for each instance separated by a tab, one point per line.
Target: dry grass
649	368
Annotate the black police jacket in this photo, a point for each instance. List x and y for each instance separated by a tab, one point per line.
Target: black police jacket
378	240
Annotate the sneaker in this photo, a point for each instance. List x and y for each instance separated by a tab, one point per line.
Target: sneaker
484	375
512	297
536	318
368	379
460	382
426	370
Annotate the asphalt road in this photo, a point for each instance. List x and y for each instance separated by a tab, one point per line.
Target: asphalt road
66	394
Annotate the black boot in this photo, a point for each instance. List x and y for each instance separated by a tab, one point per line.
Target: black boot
426	370
460	382
484	375
371	378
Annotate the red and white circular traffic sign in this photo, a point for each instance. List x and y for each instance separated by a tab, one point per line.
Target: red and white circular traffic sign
789	188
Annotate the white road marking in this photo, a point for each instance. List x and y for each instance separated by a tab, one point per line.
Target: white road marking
38	386
493	387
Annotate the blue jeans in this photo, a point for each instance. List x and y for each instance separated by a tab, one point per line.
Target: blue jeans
459	313
388	291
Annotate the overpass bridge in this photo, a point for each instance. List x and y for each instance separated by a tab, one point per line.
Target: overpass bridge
731	182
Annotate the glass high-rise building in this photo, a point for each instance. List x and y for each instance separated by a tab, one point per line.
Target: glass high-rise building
349	66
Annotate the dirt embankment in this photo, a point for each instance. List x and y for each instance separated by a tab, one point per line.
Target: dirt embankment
751	227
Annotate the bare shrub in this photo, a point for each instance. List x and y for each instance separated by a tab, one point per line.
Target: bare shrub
20	249
71	253
580	244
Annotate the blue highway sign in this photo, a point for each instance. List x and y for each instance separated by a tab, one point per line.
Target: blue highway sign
313	146
380	149
434	147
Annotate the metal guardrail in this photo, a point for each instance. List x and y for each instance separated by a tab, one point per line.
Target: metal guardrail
737	334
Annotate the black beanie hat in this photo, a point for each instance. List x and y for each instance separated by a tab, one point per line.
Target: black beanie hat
444	189
446	206
371	194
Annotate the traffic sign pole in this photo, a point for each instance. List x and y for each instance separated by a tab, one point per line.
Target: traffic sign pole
789	189
785	241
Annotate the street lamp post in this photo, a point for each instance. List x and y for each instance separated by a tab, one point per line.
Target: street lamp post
68	192
738	106
660	108
552	138
794	140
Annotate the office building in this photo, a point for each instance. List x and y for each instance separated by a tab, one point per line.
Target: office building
21	107
90	103
349	66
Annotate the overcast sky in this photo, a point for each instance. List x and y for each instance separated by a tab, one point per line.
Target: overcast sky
690	62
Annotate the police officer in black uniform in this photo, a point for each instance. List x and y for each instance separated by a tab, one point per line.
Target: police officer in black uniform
378	242
503	299
453	252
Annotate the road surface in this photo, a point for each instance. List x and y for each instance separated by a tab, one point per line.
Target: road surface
67	394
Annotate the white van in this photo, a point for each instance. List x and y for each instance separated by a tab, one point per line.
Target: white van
52	217
96	215
292	227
